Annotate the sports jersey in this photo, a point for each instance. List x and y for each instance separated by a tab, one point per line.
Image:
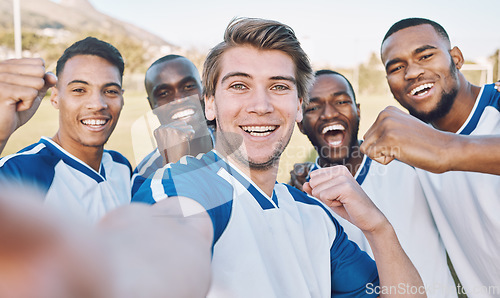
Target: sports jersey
396	191
152	162
286	245
70	185
466	207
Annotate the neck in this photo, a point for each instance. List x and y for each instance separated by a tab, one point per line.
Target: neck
263	178
90	155
461	108
352	162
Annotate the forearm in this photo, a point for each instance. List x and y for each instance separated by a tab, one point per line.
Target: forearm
474	154
398	277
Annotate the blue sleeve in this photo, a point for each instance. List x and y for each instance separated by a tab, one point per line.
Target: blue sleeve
354	273
33	170
196	182
137	181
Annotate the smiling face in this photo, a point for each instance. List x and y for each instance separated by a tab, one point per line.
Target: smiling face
331	119
89	97
171	80
255	105
422	71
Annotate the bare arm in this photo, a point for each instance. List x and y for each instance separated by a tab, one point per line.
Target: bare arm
336	187
23	84
137	250
397	135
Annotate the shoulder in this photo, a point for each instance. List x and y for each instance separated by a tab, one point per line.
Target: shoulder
31	157
192	177
119	158
34	164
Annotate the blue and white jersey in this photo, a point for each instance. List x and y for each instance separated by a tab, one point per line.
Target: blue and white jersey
152	162
396	190
466	207
70	185
287	245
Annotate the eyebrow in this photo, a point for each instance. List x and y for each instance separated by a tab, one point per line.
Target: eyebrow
335	94
235	74
243	74
415	52
423	48
283	78
87	83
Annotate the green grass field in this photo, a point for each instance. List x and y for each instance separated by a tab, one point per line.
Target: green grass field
45	123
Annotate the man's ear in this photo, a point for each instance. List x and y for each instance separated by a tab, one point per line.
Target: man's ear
299	116
457	56
54	97
358	108
301	128
210	107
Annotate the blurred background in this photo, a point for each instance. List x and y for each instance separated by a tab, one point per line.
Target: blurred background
341	35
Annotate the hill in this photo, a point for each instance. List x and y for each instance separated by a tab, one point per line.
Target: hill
49	27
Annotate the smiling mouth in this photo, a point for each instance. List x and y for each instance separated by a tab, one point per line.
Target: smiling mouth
259	131
94	123
422	89
333	134
183	114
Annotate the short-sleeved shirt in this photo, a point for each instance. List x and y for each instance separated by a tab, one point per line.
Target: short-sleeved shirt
67	183
466	207
286	245
395	189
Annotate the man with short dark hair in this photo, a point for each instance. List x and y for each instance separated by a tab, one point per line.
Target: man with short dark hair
331	121
173	86
72	168
423	72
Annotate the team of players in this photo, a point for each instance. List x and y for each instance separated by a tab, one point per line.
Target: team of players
424	77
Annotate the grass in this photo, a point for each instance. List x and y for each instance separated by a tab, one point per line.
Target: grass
137	143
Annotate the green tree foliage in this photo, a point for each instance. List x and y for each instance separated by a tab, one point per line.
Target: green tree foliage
131	49
372	76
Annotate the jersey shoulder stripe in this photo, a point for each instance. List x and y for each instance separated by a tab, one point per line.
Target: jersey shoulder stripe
487	97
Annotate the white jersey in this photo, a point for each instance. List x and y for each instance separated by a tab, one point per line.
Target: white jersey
286	245
70	185
152	162
396	191
466	208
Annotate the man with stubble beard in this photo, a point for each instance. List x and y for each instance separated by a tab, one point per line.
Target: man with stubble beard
331	122
453	143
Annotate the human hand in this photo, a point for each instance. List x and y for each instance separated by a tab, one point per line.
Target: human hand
336	187
24	83
173	140
43	255
497	85
299	174
398	135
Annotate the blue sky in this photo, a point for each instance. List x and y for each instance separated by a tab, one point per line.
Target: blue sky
334	33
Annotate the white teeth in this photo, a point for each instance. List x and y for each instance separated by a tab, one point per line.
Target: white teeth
260	134
420	88
259	131
94	122
183	114
332	127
